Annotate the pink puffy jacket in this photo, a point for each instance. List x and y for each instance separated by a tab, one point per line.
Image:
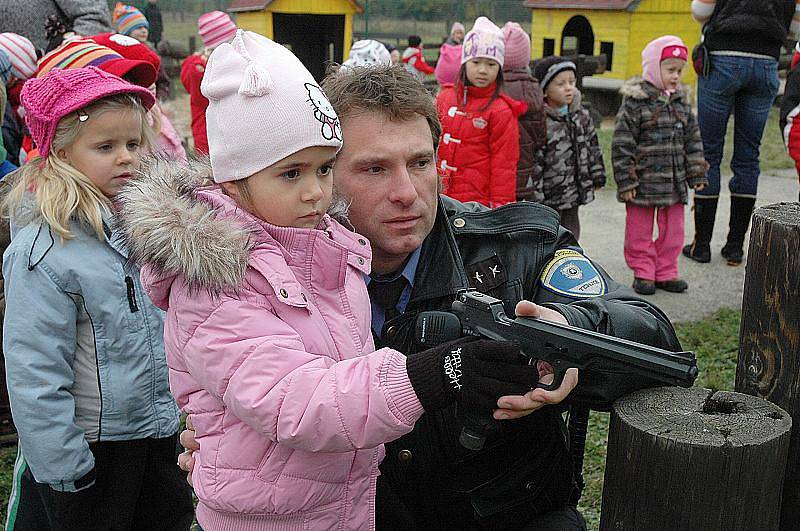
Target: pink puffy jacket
269	347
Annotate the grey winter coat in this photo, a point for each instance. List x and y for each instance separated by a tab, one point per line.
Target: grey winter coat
84	350
27	17
571	162
656	148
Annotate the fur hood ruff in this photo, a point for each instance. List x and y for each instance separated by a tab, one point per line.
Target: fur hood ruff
635	88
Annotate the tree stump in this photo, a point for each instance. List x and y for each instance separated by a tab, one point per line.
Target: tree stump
694	459
769	340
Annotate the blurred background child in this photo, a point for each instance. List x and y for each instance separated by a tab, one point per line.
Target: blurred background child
657	154
131	22
479	148
214	28
413	59
521	85
570	164
449	61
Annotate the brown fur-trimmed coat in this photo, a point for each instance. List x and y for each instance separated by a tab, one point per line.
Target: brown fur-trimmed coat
656	148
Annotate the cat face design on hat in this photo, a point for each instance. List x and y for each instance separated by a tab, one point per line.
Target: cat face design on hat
323	111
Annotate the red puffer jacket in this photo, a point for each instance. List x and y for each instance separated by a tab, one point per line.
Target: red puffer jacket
479	148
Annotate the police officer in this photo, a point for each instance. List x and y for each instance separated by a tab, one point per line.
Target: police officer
426	248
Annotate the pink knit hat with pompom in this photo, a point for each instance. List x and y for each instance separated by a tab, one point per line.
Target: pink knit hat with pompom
518	46
49	98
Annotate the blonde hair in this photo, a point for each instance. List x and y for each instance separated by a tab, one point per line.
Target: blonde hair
61	192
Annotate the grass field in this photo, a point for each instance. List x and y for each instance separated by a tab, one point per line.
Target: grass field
715	341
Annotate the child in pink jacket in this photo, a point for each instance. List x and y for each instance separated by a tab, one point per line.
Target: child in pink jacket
267	331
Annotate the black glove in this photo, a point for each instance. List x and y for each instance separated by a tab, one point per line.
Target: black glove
471	371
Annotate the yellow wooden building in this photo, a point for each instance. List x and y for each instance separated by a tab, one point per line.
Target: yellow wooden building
618	28
317	31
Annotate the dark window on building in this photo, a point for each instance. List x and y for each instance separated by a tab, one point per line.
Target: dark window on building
549	47
607	48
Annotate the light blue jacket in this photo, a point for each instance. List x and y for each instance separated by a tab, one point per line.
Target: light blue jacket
84	352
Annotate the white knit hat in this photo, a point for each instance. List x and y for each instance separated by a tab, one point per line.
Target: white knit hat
486	40
263	106
368	52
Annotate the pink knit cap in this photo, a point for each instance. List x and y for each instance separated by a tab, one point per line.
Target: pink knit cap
652	57
518	46
263	106
215	28
484	40
49	98
22	54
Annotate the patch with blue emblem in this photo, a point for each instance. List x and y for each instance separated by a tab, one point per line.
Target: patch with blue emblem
571	274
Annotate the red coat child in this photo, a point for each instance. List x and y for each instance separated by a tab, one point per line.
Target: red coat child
479	148
192	70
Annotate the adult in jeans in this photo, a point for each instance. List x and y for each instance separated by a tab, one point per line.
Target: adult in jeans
429	247
745	39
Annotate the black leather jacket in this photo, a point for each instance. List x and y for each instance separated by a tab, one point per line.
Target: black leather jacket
524	469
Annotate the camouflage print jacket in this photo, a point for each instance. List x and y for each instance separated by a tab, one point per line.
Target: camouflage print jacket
657	148
571	162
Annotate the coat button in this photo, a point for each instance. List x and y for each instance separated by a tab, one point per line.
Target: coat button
360	260
458	223
404	456
530	485
284	293
362	241
391	331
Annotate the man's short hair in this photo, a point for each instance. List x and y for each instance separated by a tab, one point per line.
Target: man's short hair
385	89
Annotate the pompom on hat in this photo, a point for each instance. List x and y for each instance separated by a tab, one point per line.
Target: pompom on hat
128	19
518	46
368	52
62	91
215	28
484	40
22	54
263	106
78	53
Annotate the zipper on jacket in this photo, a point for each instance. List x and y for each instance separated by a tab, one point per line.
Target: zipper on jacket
131	295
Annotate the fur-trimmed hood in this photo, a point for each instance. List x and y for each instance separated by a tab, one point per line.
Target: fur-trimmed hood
639	89
176	220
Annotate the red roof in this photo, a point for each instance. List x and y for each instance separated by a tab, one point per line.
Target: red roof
628	5
258	5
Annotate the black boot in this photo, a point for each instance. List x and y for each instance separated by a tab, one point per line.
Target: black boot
705	210
741	212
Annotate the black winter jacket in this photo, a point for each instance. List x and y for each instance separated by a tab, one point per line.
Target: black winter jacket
525	468
752	26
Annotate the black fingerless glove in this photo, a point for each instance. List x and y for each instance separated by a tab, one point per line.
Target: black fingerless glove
469	370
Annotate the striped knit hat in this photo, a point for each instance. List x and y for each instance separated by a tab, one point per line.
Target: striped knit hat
21	53
78	53
215	28
128	18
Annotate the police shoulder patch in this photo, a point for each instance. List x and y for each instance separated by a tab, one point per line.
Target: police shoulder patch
571	274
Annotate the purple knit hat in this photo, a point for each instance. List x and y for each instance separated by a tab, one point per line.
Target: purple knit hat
49	98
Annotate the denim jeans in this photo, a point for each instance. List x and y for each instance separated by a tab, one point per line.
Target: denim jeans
746	87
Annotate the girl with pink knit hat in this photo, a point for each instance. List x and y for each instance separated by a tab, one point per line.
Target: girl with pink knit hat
86	370
658	155
479	148
214	28
268	333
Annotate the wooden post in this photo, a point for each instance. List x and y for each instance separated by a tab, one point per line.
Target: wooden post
688	459
769	339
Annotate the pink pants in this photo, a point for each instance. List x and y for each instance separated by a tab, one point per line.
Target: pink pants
653	260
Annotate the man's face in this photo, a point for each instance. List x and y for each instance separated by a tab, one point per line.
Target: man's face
387	170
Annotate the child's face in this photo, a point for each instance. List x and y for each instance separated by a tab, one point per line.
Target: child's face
293	192
561	89
140	34
458	35
672	72
106	149
482	72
